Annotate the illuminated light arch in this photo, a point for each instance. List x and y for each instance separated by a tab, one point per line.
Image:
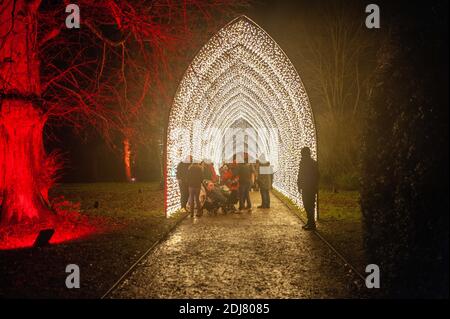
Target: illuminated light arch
240	74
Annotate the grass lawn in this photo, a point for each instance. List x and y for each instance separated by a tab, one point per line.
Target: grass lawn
340	223
137	208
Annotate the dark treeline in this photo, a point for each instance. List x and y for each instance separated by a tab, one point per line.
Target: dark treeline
88	158
404	194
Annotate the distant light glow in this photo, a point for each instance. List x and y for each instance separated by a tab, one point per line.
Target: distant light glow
241	74
127	159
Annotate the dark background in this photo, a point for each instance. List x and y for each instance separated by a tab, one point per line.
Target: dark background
292	24
89	159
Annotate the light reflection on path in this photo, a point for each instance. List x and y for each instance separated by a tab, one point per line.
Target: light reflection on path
263	254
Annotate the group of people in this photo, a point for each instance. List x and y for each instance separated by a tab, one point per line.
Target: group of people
239	179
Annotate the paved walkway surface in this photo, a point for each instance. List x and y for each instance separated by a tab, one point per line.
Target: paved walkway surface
262	254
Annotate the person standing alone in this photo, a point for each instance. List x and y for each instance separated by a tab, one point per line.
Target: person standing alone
308	185
265	178
246	175
195	179
182	172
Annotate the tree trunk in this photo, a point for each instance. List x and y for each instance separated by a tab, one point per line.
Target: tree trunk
26	172
127	159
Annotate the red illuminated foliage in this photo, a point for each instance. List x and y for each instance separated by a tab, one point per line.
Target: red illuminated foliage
69	225
98	75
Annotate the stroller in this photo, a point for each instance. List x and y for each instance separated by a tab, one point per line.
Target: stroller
215	197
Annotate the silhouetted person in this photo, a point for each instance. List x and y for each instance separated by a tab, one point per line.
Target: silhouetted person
182	172
265	178
232	182
246	175
195	179
308	185
209	172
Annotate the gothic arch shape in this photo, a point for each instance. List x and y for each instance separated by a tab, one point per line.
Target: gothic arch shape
241	73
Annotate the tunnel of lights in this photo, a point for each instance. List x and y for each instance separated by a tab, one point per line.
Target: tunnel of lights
240	79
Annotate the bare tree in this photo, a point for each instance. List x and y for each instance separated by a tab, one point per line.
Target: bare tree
337	56
97	76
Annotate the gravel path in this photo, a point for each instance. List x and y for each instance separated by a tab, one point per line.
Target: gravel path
262	254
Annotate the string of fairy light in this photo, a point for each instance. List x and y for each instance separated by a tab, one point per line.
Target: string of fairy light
241	74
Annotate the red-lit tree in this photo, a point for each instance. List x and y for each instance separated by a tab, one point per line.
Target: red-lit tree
97	75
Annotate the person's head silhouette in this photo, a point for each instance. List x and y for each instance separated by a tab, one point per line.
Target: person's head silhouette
306	152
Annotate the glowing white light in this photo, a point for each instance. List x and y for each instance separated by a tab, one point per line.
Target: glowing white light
241	74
